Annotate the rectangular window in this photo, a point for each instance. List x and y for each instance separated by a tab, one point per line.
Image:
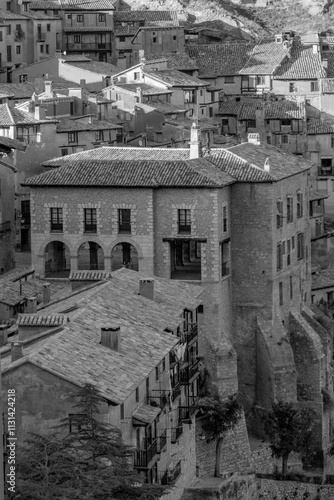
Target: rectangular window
184	221
154	39
23	78
1	36
99	135
147	386
25	211
224	219
56	220
299	205
293	242
284	139
124	220
225	258
326	166
280	290
122	411
9	29
74	419
332	142
279	257
190	96
64	151
279	216
9	53
289	209
156	373
47	49
102	18
291	87
77	38
288	252
300	245
48	27
42	49
72	137
122	38
90	224
291	288
136	75
314	87
69	17
229	79
137	394
80	18
7	5
251	124
260	80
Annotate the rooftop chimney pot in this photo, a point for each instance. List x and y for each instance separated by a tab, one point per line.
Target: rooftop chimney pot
16	350
31	307
111	337
146	288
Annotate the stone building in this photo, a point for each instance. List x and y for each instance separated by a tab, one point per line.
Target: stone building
149	339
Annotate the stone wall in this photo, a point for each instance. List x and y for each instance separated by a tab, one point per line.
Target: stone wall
292	490
234	488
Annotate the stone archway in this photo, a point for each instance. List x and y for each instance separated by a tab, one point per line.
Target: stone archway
57	260
90	256
124	255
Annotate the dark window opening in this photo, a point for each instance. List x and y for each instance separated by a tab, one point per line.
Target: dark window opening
90	221
124	220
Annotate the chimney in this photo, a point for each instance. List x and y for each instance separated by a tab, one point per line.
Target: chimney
3	335
139	93
48	88
253	138
194	142
146	288
111	337
75	92
266	165
141	55
39	112
31	307
46	293
315	48
82	83
16	350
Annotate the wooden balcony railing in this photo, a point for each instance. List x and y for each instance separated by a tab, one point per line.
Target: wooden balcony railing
191	332
158	398
142	457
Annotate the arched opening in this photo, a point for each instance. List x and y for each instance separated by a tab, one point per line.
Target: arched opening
57	260
124	255
90	256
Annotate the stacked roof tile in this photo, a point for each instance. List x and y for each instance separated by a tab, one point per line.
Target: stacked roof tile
69	125
175	78
145	88
100	67
303	64
73	5
276	110
320	127
180	60
264	59
150	17
50	321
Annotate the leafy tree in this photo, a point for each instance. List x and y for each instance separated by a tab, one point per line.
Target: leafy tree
90	462
289	429
218	417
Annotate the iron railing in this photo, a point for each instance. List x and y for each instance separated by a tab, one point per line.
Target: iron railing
176	432
142	457
188	373
158	398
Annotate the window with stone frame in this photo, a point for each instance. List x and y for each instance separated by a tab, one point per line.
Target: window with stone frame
288	252
90	220
99	136
56	220
280	292
289	209
225	258
72	137
124	220
225	219
299	204
279	215
300	246
184	221
279	259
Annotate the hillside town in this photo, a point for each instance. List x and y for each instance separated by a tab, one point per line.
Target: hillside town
166	242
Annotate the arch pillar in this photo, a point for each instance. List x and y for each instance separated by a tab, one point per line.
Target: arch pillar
74	262
107	263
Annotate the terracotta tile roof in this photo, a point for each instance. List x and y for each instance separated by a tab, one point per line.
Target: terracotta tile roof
100	67
238	168
282	164
328	39
21	117
76	352
12	143
323	279
68	125
320	127
151	17
180	60
276	110
41	16
6	14
265	58
10	291
73	5
220	59
230	107
146	413
88	29
303	64
6	117
54	320
125	30
17	90
175	78
164	107
89	275
147	89
248	110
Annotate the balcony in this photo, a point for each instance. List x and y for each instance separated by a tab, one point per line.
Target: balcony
191	332
187	412
5	227
176	432
41	36
172	359
89	46
162	441
189	373
176	391
170	476
142	458
158	398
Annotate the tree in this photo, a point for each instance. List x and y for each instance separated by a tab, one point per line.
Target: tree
289	428
218	417
90	462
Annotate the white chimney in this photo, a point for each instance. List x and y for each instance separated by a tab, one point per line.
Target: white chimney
16	350
146	288
111	337
48	88
31	307
254	138
315	48
194	142
266	165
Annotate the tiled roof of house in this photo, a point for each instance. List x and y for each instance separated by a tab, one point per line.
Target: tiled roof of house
175	78
163	17
41	16
248	110
320	127
76	353
125	30
53	320
303	64
238	168
323	279
179	60
100	67
6	117
17	90
88	29
6	14
10	291
21	117
230	107
164	107
282	164
12	143
220	59
69	125
276	110
147	89
73	5
265	58
89	275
